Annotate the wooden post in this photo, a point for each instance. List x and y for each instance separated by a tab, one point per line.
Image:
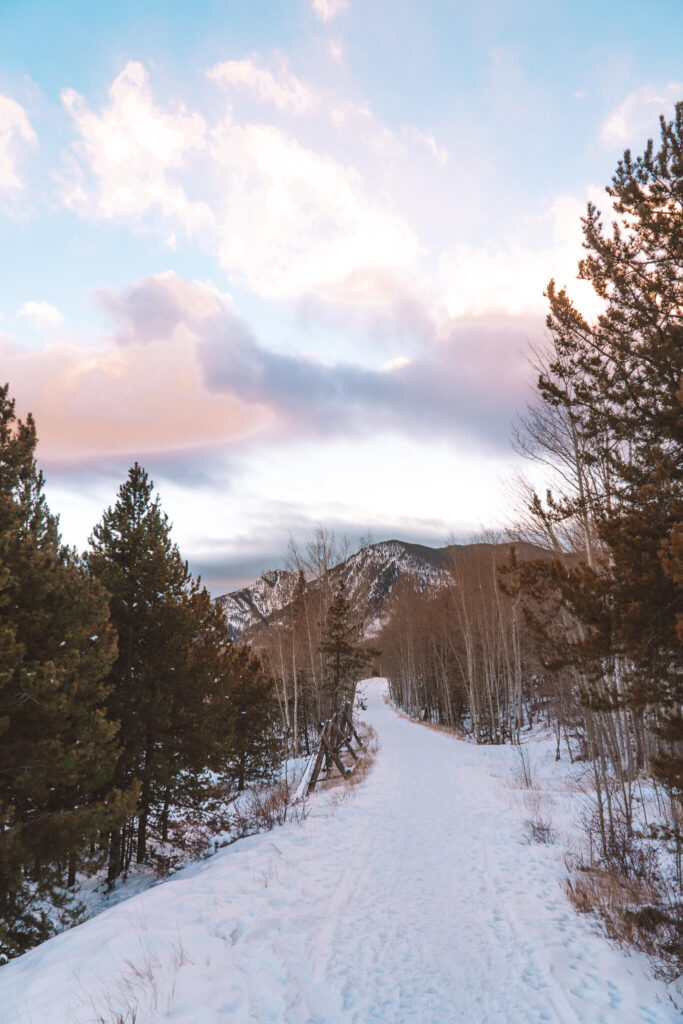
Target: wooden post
334	734
319	759
344	740
348	718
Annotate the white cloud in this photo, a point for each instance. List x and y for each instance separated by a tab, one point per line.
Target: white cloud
281	87
329	9
399	363
440	153
122	165
42	314
284	220
637	118
289	222
15	129
512	277
295	222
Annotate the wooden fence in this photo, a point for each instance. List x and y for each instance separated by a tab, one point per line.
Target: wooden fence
335	736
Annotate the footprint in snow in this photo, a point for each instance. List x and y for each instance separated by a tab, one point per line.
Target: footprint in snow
590	995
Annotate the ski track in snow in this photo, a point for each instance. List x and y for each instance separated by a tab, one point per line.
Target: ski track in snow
414	901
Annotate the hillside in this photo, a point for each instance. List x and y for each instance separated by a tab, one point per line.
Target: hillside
372	572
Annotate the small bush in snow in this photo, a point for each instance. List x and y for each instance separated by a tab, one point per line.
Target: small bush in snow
538	830
636	911
268	806
525	768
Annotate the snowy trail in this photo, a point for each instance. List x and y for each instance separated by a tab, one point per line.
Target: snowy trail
413	901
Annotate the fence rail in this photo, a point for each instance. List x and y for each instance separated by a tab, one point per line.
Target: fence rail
335	736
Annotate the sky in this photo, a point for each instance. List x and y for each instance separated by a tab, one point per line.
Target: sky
290	255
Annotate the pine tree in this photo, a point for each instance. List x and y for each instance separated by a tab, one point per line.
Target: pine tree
133	556
343	651
629	364
671	766
188	702
617	383
56	745
301	667
255	748
196	738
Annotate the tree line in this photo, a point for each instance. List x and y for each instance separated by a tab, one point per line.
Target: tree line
459	653
125	713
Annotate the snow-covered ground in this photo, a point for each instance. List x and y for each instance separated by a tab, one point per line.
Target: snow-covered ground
414	901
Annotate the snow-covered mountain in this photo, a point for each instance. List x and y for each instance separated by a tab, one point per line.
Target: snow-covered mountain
374	571
377	568
255	604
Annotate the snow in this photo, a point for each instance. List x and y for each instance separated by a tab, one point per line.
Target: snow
410	898
383	564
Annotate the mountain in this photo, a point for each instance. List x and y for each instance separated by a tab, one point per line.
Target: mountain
252	606
373	571
377	568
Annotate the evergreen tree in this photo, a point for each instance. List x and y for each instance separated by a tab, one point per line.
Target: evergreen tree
343	652
304	696
133	556
255	748
671	767
196	736
56	745
617	381
629	364
186	699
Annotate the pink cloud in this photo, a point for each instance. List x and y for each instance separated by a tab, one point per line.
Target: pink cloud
113	401
183	371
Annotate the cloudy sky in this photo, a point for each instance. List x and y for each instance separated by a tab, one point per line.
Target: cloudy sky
290	254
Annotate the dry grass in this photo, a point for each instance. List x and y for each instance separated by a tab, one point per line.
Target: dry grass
368	755
538	827
359	768
139	986
450	730
539	830
179	956
128	1016
268	806
525	767
635	913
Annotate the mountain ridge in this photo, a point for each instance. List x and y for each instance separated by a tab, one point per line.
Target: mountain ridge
378	567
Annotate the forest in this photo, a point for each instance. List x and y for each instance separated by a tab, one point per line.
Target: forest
128	718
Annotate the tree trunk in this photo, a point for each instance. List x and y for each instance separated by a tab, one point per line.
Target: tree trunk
114	867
